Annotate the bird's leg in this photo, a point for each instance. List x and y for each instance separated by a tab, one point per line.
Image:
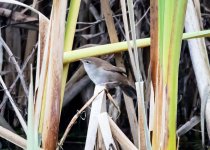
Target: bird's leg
110	85
113	101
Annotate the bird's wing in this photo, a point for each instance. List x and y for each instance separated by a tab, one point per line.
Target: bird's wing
109	67
115	69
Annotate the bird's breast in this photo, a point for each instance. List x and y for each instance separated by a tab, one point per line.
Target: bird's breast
100	76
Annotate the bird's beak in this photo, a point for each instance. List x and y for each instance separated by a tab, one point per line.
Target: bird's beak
82	60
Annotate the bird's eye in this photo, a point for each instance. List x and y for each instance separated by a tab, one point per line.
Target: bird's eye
87	61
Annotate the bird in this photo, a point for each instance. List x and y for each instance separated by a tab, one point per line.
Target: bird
103	73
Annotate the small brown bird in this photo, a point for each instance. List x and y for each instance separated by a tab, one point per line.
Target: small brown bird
103	73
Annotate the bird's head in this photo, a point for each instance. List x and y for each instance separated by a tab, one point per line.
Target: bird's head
89	63
86	61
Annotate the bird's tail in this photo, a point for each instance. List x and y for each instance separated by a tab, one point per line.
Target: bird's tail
129	90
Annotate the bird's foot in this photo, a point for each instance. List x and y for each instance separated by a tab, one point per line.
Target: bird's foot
110	85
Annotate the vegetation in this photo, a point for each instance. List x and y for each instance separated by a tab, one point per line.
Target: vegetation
48	101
